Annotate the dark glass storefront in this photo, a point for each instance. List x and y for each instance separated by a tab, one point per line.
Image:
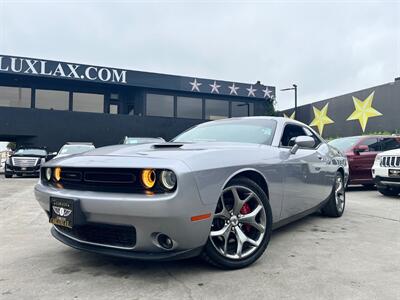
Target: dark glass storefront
44	105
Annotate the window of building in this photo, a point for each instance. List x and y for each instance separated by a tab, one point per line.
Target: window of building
216	109
159	105
48	99
189	108
88	102
15	97
114	109
114	96
242	109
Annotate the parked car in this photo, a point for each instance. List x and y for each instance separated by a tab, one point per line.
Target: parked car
25	161
386	172
72	148
141	140
216	190
361	152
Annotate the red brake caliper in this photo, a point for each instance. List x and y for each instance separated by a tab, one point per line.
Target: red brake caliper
246	209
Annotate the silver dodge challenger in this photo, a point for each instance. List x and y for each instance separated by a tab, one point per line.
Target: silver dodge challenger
216	190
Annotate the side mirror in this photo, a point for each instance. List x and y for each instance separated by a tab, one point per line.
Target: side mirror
361	148
302	141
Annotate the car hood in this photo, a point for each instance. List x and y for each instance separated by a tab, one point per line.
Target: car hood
158	154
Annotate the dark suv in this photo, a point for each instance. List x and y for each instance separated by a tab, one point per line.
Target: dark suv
25	161
361	152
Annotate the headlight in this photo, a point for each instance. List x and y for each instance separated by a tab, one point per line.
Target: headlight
48	174
8	161
57	174
378	159
148	178
42	161
168	179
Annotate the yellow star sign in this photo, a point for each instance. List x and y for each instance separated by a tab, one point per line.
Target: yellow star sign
364	110
292	116
320	118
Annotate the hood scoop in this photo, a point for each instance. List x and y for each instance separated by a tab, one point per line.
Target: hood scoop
167	146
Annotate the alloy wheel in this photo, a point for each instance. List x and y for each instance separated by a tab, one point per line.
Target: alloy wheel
239	223
339	193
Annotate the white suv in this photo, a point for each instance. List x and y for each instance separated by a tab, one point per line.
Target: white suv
386	172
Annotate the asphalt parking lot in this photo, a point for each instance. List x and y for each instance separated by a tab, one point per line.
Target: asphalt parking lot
354	257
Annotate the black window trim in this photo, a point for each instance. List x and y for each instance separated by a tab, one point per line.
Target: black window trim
302	126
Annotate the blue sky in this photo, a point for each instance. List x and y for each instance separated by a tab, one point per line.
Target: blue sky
326	47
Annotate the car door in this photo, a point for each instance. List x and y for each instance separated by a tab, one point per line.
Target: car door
302	185
363	161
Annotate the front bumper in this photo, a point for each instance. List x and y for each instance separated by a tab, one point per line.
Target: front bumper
159	256
169	214
382	177
22	171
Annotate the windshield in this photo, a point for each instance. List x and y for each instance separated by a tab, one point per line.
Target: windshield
75	149
344	144
40	152
257	131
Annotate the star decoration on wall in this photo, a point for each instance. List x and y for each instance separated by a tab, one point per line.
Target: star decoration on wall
214	87
321	118
267	93
251	91
364	110
233	89
195	85
292	116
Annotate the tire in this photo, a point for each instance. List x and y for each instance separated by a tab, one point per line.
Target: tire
387	191
8	175
248	223
337	200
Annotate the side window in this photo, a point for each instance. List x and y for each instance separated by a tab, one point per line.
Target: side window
290	132
309	133
372	143
390	143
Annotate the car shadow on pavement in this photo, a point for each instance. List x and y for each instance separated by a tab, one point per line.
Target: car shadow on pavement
360	188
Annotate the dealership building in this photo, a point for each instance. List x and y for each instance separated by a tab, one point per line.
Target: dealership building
48	103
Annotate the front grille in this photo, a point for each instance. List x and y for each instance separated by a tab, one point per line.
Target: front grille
390	161
105	234
113	180
24	162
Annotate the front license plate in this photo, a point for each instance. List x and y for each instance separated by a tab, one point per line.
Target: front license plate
62	212
394	172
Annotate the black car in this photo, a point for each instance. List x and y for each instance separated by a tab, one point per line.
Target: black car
25	161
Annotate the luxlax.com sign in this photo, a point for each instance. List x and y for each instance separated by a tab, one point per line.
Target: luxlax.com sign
28	66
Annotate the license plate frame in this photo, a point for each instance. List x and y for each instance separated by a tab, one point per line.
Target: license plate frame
62	211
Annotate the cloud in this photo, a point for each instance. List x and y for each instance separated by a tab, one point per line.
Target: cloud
327	48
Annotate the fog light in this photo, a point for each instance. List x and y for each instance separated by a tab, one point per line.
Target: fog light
168	179
57	174
48	174
148	178
165	241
